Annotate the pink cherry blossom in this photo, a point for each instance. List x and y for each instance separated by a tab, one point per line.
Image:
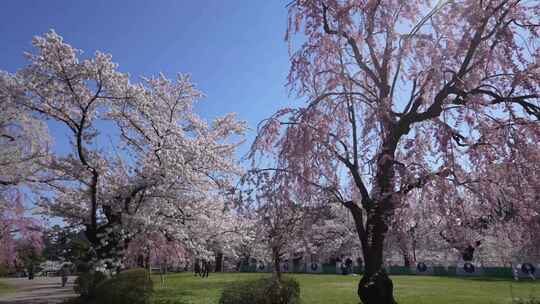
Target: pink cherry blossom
410	97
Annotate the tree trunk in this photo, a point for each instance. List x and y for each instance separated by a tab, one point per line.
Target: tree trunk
116	243
406	260
219	262
276	260
140	261
414	250
375	287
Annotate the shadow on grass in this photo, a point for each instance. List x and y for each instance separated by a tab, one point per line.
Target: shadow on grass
193	287
185	288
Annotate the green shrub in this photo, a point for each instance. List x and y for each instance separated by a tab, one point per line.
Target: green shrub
262	291
133	286
82	267
4	271
87	282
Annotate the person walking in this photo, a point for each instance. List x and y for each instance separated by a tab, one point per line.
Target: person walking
205	268
31	271
64	272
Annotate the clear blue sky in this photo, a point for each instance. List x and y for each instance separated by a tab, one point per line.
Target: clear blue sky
234	49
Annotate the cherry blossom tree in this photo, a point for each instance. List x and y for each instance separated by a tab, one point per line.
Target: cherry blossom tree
215	232
162	160
400	95
287	227
402	236
280	219
332	234
17	228
499	200
24	139
24	146
154	249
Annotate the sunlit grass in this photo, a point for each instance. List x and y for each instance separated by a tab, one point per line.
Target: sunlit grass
336	289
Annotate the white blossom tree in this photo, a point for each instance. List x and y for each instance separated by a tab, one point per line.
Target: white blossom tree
24	146
162	162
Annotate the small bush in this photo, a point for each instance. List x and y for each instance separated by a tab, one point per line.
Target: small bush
130	287
262	291
87	282
82	267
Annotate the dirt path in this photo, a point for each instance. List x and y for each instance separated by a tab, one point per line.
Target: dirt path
41	290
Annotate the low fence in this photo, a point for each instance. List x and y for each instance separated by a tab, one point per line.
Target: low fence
498	272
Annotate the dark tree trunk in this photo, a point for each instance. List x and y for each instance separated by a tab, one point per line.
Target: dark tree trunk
147	262
140	261
414	249
406	260
277	261
219	262
375	287
116	243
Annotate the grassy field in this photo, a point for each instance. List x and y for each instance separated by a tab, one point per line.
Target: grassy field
335	289
4	288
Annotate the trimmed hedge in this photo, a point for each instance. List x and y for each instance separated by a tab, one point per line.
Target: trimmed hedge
262	291
248	268
133	286
327	268
399	270
498	272
440	271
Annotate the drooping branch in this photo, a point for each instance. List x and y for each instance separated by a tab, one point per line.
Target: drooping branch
352	43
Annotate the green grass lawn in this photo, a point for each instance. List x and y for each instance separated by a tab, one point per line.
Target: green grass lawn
5	288
335	289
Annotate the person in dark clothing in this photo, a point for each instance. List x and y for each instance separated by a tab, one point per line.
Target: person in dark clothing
343	268
468	252
31	272
348	264
359	262
197	267
205	268
64	272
